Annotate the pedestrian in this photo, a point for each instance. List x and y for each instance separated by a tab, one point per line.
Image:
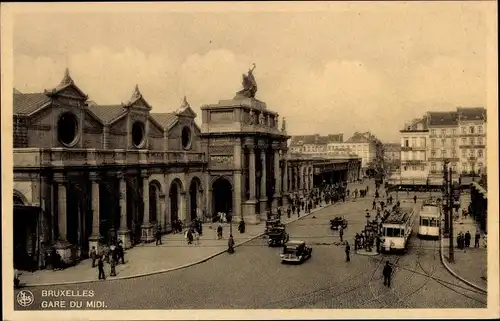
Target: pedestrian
230	244
219	232
121	252
374	204
293	208
288	212
415	199
93	256
477	236
341	234
113	267
196	238
387	272
190	236
100	268
158	235
356	242
347	251
467	239
241	226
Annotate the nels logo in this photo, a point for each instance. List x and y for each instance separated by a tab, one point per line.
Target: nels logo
25	298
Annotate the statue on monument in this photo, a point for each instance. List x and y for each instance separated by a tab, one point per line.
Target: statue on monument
283	125
249	85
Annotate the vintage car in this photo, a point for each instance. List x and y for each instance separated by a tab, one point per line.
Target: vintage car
272	223
295	251
277	236
337	222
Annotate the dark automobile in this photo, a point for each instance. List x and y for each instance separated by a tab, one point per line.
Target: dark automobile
272	223
338	222
295	251
277	236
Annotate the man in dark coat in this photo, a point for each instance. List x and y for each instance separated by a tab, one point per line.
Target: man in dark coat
158	235
387	272
415	199
100	268
347	251
467	239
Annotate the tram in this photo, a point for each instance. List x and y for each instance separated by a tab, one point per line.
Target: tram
430	219
397	229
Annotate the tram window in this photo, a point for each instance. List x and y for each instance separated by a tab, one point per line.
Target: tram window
425	222
397	232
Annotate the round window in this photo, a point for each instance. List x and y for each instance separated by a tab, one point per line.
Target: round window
186	137
67	129
138	134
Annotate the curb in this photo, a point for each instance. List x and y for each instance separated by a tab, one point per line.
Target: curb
174	268
366	253
443	261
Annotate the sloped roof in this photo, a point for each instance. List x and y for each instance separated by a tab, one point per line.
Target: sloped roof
316	139
412	125
106	113
358	138
25	104
447	118
471	113
164	119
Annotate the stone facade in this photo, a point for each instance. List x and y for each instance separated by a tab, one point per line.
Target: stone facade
86	174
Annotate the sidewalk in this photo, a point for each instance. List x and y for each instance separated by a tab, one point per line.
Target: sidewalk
147	259
471	263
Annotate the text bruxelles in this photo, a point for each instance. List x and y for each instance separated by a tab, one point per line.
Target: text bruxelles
68	293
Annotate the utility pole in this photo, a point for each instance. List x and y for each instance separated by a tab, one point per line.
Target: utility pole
450	206
445	198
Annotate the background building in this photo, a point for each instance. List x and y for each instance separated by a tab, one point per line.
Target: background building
392	157
457	136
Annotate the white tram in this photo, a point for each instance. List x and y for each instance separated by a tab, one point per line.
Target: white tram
396	230
430	219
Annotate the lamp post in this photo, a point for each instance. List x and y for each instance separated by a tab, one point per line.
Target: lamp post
445	197
450	206
367	219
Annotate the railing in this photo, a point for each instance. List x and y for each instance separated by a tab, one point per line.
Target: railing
39	157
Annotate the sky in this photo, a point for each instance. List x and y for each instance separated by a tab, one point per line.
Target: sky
327	68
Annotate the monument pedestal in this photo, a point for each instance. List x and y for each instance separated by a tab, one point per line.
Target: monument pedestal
147	233
249	212
124	236
64	249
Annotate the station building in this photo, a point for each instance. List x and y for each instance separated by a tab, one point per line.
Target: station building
84	172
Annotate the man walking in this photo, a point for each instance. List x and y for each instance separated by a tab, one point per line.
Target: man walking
158	235
374	204
93	256
467	239
387	274
477	236
415	199
347	251
100	268
341	233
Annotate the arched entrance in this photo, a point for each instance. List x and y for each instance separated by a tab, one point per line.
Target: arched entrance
222	196
194	197
155	215
25	233
175	198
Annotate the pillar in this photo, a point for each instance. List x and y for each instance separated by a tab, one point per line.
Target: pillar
277	176
238	182
63	247
250	215
123	232
263	181
285	181
146	227
95	237
163	212
301	173
182	211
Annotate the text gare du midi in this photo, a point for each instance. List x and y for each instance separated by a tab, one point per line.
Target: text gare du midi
70	299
